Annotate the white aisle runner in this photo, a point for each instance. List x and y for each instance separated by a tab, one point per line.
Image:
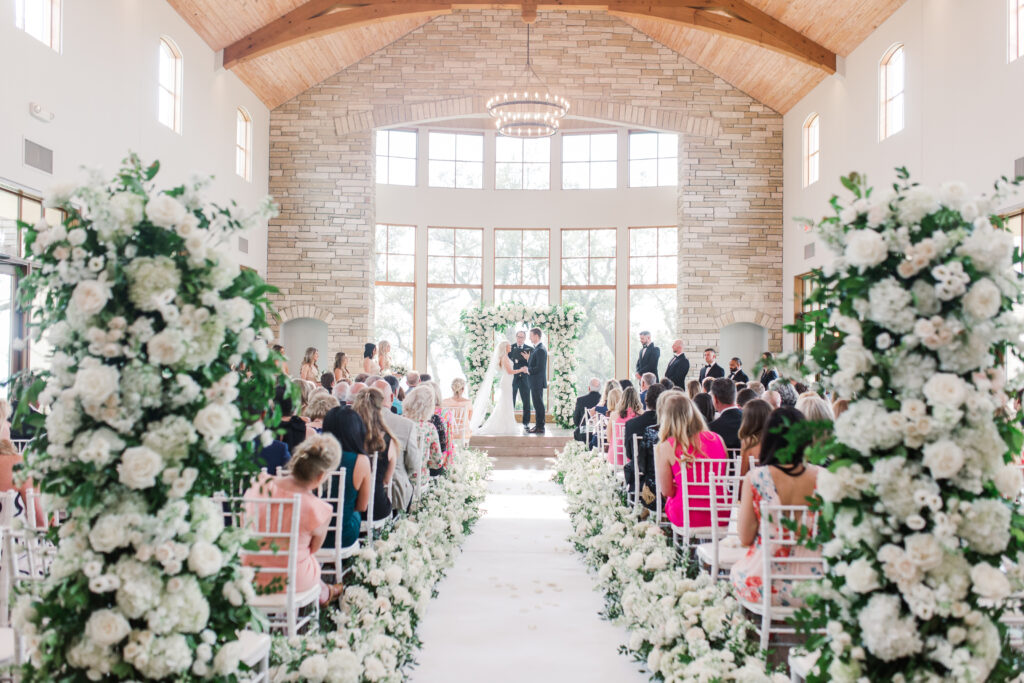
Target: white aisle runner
519	604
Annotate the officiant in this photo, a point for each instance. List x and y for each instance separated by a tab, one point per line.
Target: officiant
521	380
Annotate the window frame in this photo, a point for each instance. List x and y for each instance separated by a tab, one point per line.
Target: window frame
802	290
243	152
54	34
887	102
522	259
455	161
454	256
411	284
657	158
522	164
178	91
589	257
590	160
812	153
415	158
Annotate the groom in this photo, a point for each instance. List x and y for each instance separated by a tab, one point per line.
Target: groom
537	364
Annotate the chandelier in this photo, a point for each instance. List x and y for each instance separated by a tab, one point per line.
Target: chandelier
530	112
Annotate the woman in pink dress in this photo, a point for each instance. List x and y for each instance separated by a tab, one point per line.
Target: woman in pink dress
310	464
684	441
627	407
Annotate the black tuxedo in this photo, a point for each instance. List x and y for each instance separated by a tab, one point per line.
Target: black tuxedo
647	361
521	381
677	369
583	403
714	370
727	426
538	366
636	426
768	375
739	376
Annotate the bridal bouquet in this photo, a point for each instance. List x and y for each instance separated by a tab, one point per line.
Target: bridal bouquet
157	394
919	519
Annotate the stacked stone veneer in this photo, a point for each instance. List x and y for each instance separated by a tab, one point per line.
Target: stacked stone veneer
730	180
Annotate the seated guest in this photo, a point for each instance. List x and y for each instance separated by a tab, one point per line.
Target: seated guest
840	406
736	373
602	406
460	408
396	403
787	395
425	377
361	377
777	483
9	459
443	421
768	375
693	388
327	381
340	391
273	456
419	407
313	461
755	417
636	427
666	383
815	408
409	461
372	379
744	396
773	399
412	379
354	390
705	385
800	388
319	406
611	403
686	440
730	415
706	407
757	388
345	425
294	426
624	383
646	381
627	408
369	405
583	404
306	391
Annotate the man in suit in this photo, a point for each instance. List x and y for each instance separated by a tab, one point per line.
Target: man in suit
648	358
583	404
736	373
768	375
521	380
679	366
636	426
727	425
538	367
647	381
711	367
409	457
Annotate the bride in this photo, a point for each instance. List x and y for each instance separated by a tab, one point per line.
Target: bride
502	420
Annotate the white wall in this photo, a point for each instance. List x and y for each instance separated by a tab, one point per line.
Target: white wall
964	118
102	89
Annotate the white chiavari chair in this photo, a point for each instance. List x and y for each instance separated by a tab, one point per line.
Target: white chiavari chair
781	563
460	423
274	522
370	526
601	429
20	444
725	549
332	491
422	483
734	455
697	496
26	560
636	474
34	502
255	649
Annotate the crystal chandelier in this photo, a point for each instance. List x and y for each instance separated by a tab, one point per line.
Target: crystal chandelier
530	112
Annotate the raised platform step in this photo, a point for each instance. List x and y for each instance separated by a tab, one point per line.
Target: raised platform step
525	445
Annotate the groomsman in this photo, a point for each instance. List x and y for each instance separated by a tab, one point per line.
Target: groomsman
711	367
521	380
736	373
679	366
768	375
647	361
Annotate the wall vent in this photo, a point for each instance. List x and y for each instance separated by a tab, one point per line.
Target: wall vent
1018	167
809	250
38	157
243	245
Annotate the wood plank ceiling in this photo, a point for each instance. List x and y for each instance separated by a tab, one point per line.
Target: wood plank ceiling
773	78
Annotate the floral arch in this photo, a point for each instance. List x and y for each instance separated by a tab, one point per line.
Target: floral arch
561	325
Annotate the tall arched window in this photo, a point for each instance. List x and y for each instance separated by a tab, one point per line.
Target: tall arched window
892	75
170	84
1015	29
811	150
243	144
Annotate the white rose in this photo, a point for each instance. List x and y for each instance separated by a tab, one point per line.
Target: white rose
861	576
916	203
989	582
865	248
164	211
225	662
953	194
95	383
205	559
127	208
107	627
90	296
214	421
945	389
313	668
139	467
1008	481
166	347
108	533
944	458
983	300
924	551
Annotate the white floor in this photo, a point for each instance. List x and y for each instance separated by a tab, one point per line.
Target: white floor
519	604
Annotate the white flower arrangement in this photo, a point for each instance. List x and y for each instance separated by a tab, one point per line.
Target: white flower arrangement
918	511
148	329
683	629
389	587
562	325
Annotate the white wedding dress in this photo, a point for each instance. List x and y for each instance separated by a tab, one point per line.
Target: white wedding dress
502	420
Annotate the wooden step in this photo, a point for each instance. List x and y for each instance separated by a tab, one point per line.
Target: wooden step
525	445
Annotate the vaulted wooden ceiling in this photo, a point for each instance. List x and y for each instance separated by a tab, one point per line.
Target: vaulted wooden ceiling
774	50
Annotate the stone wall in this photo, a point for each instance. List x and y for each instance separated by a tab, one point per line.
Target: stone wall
730	181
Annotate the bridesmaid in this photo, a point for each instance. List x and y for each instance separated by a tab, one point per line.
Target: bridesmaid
309	370
384	356
370	366
341	371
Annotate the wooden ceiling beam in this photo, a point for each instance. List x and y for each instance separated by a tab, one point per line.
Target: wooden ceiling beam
733	18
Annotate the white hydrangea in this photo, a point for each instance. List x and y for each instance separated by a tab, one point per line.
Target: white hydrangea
890	305
887	634
152	282
165	211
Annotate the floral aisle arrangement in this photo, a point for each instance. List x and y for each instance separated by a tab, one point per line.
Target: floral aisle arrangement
683	629
390	585
562	325
148	415
918	511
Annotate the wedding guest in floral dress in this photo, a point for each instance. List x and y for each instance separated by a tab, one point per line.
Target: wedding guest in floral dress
776	483
445	428
419	407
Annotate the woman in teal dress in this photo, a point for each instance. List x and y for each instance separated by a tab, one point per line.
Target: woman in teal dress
345	425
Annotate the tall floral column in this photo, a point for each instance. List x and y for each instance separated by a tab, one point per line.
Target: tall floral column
159	382
918	511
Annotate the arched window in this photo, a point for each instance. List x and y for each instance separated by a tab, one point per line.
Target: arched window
1015	29
811	150
892	74
243	144
170	84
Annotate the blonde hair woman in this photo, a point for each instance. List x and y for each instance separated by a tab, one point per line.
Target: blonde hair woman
815	408
309	370
692	388
457	400
319	405
307	389
684	440
384	356
419	407
627	407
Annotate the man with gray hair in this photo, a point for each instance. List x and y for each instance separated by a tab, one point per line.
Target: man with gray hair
647	380
353	390
340	391
583	404
412	379
408	449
